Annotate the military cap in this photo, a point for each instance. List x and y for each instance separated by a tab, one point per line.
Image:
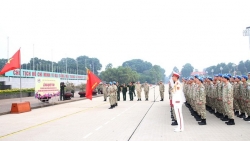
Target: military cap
110	83
226	76
233	77
216	75
220	75
176	74
239	77
210	78
196	76
229	75
114	82
244	76
200	79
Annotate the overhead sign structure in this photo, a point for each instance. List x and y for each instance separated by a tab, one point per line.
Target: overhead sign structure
47	87
32	73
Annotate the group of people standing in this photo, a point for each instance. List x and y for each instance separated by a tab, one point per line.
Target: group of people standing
114	89
225	96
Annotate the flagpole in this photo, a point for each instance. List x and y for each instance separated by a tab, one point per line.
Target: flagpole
33	57
52	59
20	73
8	48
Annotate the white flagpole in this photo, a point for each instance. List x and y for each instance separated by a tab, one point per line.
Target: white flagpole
7	48
52	60
20	73
33	57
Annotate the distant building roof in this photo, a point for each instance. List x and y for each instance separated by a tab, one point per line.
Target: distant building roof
198	73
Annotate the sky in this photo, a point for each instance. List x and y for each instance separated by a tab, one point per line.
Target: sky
163	32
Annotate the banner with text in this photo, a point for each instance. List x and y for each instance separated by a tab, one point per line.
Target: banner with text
32	73
47	87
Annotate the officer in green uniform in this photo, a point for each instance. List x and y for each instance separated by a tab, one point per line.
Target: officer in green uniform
131	90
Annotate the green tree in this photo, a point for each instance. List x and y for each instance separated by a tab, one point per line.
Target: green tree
187	70
138	65
120	74
2	63
109	66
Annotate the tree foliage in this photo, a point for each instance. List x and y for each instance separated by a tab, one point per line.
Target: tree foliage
187	70
45	65
120	74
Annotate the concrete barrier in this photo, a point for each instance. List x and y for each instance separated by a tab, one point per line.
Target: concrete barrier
17	108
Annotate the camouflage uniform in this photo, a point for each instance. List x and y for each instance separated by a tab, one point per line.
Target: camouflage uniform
201	101
228	101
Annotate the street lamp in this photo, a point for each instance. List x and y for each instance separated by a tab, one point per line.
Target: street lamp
212	72
247	33
77	70
221	70
206	73
234	68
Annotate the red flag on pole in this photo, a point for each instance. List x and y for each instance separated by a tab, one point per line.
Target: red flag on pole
92	82
13	63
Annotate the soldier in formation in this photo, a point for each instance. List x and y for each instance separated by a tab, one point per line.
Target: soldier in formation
146	90
225	96
162	89
138	89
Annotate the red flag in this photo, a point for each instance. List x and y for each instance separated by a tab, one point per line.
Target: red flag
13	63
92	82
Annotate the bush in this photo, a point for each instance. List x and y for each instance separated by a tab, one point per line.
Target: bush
10	91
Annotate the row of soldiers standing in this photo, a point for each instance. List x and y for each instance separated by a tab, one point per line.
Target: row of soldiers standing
113	90
224	96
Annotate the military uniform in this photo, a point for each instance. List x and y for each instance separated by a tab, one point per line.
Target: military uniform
111	95
138	90
124	91
118	91
228	100
131	90
162	89
146	90
201	102
115	93
104	91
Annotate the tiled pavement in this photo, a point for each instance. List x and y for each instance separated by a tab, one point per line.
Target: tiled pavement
93	121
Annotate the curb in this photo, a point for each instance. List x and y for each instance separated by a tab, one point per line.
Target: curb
53	104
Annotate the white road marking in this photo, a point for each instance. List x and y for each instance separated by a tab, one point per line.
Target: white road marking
113	118
98	128
107	122
87	135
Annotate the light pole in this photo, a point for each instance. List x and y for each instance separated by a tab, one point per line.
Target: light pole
221	70
247	33
234	68
77	70
212	72
206	73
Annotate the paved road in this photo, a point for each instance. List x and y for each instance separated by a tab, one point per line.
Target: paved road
5	104
131	120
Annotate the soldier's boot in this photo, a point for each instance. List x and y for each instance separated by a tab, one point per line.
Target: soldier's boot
198	118
203	122
225	118
242	115
231	122
236	113
111	107
174	123
138	100
116	104
247	119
